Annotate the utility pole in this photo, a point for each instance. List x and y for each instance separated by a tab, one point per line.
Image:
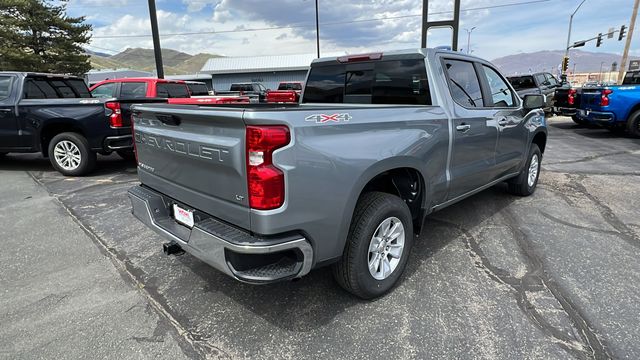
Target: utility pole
469	39
156	38
566	53
625	56
600	76
425	20
454	23
317	31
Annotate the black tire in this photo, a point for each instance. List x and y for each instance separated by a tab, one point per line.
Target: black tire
87	157
127	155
633	124
352	271
577	120
520	185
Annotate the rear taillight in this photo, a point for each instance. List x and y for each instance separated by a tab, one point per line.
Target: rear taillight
265	181
604	99
115	118
571	97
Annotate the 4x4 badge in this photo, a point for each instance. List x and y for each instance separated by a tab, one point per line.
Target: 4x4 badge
325	118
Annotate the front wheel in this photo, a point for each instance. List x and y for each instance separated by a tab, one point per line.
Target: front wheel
378	246
525	183
71	155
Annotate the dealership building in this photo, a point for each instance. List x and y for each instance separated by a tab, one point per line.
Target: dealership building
268	70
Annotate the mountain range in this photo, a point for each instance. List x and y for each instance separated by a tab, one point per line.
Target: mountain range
584	61
176	62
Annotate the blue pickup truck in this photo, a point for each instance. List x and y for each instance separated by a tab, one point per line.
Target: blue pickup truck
614	107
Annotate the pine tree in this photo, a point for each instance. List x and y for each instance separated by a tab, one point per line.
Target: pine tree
38	36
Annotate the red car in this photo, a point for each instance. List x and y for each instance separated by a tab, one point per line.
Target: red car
288	92
134	88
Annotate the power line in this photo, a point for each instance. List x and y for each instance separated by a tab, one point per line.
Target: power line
303	25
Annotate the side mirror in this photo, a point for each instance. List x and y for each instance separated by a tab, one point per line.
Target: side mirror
532	102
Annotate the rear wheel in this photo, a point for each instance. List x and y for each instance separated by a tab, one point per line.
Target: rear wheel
71	155
633	124
378	246
525	183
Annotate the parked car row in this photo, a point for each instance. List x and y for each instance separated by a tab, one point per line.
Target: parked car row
614	107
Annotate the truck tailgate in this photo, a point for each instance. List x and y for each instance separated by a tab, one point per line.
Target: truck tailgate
195	155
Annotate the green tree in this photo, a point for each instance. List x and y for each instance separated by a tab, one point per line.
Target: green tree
36	35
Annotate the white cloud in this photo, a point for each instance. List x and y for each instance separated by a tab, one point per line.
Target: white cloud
344	25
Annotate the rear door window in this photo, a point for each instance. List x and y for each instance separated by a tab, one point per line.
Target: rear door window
105	90
133	90
463	83
394	82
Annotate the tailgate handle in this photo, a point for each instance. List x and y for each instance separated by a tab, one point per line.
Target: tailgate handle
169	119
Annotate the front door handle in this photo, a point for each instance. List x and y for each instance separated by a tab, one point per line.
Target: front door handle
463	127
6	110
503	122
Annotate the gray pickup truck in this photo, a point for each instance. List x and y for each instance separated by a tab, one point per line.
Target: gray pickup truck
346	177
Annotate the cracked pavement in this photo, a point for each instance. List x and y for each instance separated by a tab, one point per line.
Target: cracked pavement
552	276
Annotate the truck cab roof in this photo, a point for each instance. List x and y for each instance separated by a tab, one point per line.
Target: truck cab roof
38	74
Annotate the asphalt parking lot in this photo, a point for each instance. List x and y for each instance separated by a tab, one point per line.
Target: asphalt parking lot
552	276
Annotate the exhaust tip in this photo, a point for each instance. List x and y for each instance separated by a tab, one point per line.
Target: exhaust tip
172	248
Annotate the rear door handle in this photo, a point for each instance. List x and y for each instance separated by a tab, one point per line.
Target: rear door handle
6	110
463	127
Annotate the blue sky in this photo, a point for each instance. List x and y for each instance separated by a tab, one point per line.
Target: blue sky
499	31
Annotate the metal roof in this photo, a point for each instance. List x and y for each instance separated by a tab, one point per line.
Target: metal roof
249	64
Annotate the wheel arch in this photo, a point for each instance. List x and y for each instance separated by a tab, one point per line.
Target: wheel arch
387	176
54	127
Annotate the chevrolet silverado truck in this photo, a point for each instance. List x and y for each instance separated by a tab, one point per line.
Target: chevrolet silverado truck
616	108
57	116
268	192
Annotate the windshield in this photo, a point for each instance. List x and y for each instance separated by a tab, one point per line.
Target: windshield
522	82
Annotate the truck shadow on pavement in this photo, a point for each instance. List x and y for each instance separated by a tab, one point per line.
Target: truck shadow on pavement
315	300
36	163
590	131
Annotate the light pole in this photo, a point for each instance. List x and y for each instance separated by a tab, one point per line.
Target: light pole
601	65
317	31
469	38
566	53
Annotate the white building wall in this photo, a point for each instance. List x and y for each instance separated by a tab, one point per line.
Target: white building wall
222	82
